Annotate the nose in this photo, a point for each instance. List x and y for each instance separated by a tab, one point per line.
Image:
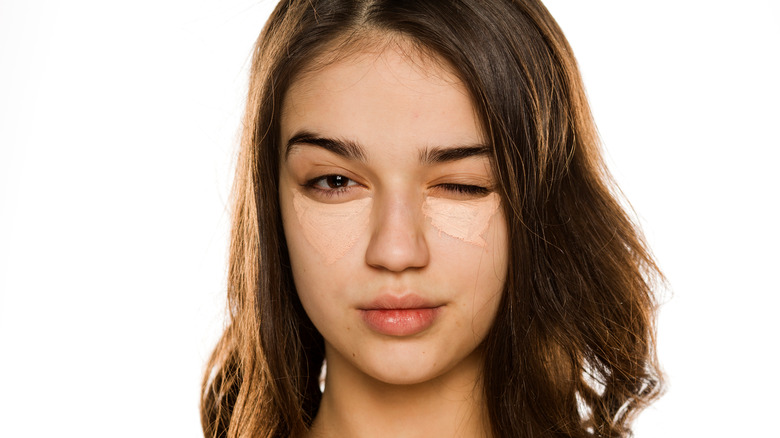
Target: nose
397	238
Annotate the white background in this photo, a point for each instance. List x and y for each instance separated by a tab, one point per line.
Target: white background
118	124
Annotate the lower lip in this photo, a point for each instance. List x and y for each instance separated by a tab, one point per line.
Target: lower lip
399	322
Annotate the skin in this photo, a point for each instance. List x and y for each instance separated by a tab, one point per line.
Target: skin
323	224
394	105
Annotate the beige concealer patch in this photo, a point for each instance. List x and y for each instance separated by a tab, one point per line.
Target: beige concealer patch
464	220
332	229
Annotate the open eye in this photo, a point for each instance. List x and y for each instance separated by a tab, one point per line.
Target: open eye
332	182
330	185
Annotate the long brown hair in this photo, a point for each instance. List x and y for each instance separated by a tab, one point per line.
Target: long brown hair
571	352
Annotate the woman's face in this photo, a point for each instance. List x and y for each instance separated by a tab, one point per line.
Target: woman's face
396	238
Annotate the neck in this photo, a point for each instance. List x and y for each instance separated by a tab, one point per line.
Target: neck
357	405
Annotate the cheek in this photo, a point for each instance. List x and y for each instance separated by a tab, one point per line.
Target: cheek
331	229
464	220
474	249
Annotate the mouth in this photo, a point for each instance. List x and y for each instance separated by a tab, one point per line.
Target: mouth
400	316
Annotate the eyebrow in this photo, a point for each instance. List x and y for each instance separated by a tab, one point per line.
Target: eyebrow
444	155
345	148
353	151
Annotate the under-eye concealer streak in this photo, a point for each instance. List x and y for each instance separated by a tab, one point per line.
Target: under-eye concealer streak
332	229
464	220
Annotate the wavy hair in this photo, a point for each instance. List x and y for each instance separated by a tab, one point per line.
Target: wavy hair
571	352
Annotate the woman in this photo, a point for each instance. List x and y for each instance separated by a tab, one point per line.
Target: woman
420	204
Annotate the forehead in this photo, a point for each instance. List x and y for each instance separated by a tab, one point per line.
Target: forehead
388	95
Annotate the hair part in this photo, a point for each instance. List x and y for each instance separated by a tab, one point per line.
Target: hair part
571	352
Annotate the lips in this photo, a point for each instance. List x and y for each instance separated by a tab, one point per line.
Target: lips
400	316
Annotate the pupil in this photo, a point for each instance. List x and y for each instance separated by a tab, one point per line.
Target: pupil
336	181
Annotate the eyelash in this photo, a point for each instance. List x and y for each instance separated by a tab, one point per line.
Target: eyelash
330	192
460	189
465	189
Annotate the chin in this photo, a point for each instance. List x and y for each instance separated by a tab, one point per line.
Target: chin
403	365
404	374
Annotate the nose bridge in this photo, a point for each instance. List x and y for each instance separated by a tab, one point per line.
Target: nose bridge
397	232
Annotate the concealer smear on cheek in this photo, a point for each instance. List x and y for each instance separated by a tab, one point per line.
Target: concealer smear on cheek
332	229
463	220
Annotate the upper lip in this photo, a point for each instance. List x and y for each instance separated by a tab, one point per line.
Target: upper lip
400	302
